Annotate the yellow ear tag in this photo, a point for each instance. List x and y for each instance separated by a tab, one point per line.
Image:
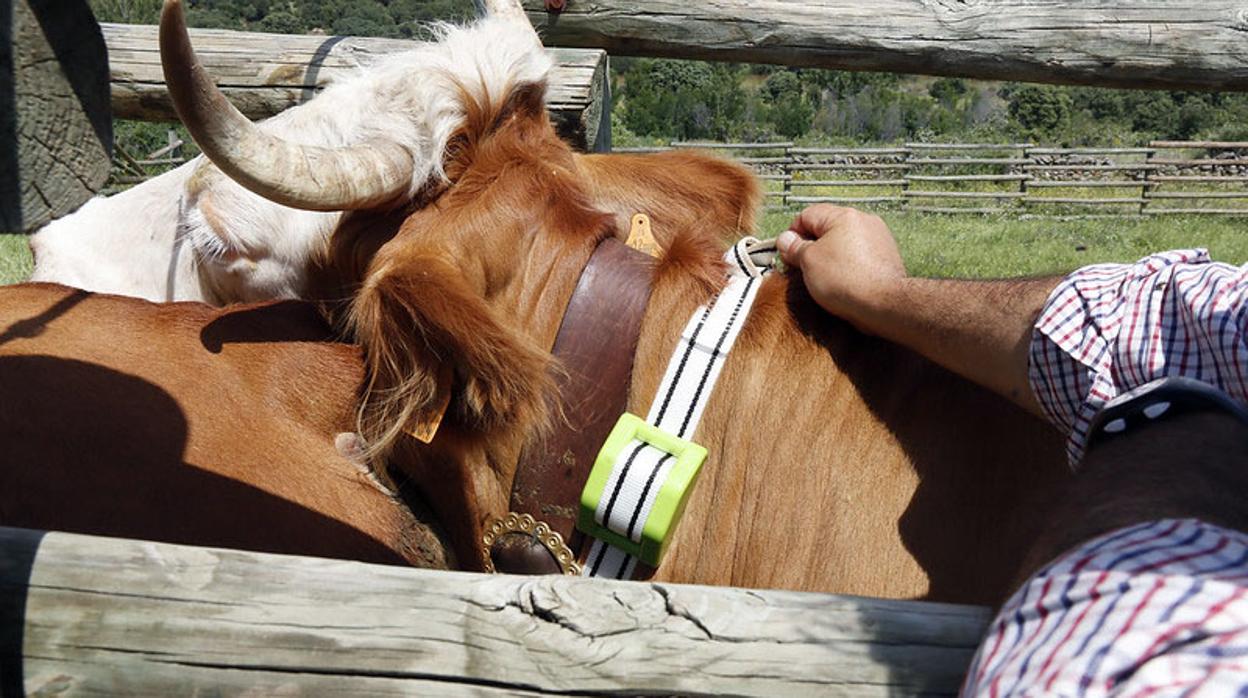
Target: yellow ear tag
427	428
641	239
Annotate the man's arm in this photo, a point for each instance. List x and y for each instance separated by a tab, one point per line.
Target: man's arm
979	329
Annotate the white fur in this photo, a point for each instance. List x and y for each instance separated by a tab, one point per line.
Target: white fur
158	241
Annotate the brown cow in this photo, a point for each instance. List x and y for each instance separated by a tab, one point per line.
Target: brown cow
908	481
190	424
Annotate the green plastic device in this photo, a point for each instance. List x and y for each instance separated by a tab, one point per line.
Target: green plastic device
669	503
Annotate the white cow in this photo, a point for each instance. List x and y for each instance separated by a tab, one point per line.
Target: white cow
377	137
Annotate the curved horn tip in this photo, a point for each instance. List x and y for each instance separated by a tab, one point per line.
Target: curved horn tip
173	33
169	8
506	8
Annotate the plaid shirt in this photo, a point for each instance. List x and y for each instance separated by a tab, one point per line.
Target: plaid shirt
1160	608
1108	328
1156	609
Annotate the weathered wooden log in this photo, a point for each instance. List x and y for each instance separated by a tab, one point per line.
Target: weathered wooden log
964	194
969	146
850	182
55	129
1091	151
1225	145
918	162
969	178
1092	183
262	74
80	615
846	200
1207	195
1163	44
1197	211
960	210
1085	202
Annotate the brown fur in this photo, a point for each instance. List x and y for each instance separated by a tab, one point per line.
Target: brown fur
216	427
839	463
189	424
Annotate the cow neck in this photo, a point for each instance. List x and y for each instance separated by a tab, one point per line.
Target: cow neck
595	345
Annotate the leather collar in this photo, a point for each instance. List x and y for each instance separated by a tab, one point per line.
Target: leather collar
596	343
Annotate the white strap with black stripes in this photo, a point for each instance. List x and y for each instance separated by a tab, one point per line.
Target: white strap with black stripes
640	470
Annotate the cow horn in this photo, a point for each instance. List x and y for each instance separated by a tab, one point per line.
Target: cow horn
305	177
509	9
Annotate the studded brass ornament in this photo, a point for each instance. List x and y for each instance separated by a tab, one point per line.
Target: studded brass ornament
524	523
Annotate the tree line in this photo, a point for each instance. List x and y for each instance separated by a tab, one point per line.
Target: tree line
662	99
670	99
402	19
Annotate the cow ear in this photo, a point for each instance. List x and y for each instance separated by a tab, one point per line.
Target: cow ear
433	345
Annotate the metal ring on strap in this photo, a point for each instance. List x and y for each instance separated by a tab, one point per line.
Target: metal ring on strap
526	524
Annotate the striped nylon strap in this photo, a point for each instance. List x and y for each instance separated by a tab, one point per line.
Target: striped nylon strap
641	470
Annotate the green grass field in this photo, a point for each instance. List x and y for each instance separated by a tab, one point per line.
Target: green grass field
970	246
15	261
991	247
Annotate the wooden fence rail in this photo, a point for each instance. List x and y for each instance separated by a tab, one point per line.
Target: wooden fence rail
1160	44
262	74
85	615
929	177
1013	178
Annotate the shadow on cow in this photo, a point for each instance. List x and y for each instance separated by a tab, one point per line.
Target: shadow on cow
980	482
96	441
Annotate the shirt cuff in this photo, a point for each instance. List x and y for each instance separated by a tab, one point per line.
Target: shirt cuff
1077	348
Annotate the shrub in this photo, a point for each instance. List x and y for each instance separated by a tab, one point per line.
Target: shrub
1040	110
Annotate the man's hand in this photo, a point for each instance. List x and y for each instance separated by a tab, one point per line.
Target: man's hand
980	329
848	259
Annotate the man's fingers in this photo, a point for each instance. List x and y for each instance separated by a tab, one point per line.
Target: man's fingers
791	246
815	221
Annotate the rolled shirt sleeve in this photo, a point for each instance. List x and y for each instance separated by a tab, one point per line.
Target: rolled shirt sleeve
1107	328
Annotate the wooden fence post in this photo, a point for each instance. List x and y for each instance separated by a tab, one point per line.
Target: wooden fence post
1025	200
1146	187
55	127
907	202
787	172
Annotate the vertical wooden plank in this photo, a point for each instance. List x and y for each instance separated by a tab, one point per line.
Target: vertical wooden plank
907	201
55	127
787	170
1146	190
1025	199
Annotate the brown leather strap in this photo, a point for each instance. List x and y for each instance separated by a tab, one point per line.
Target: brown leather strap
595	347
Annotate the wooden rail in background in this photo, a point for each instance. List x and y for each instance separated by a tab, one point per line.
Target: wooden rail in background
1031	181
262	74
1014	178
1158	44
89	615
